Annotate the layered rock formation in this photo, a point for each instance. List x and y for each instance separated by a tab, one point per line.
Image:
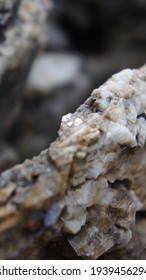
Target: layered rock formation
89	184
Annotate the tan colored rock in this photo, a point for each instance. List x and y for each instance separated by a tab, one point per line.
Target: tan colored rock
89	183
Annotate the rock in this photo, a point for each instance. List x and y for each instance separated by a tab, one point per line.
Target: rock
89	184
85	42
107	129
60	84
21	40
52	71
68	30
25	207
136	248
7	9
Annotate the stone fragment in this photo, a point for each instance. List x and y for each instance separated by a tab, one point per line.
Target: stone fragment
107	164
90	182
136	248
23	24
51	71
60	84
31	201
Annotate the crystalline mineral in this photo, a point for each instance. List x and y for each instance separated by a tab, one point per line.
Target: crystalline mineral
106	167
90	182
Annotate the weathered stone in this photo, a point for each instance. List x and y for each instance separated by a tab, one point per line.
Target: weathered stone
106	164
19	38
88	185
22	34
57	84
136	248
69	29
7	9
30	205
54	70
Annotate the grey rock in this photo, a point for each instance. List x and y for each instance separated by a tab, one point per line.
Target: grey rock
53	70
17	50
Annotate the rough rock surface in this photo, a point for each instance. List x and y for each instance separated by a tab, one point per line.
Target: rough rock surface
21	34
29	121
56	84
136	248
89	183
105	137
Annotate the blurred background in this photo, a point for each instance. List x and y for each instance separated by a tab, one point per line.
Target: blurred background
83	42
